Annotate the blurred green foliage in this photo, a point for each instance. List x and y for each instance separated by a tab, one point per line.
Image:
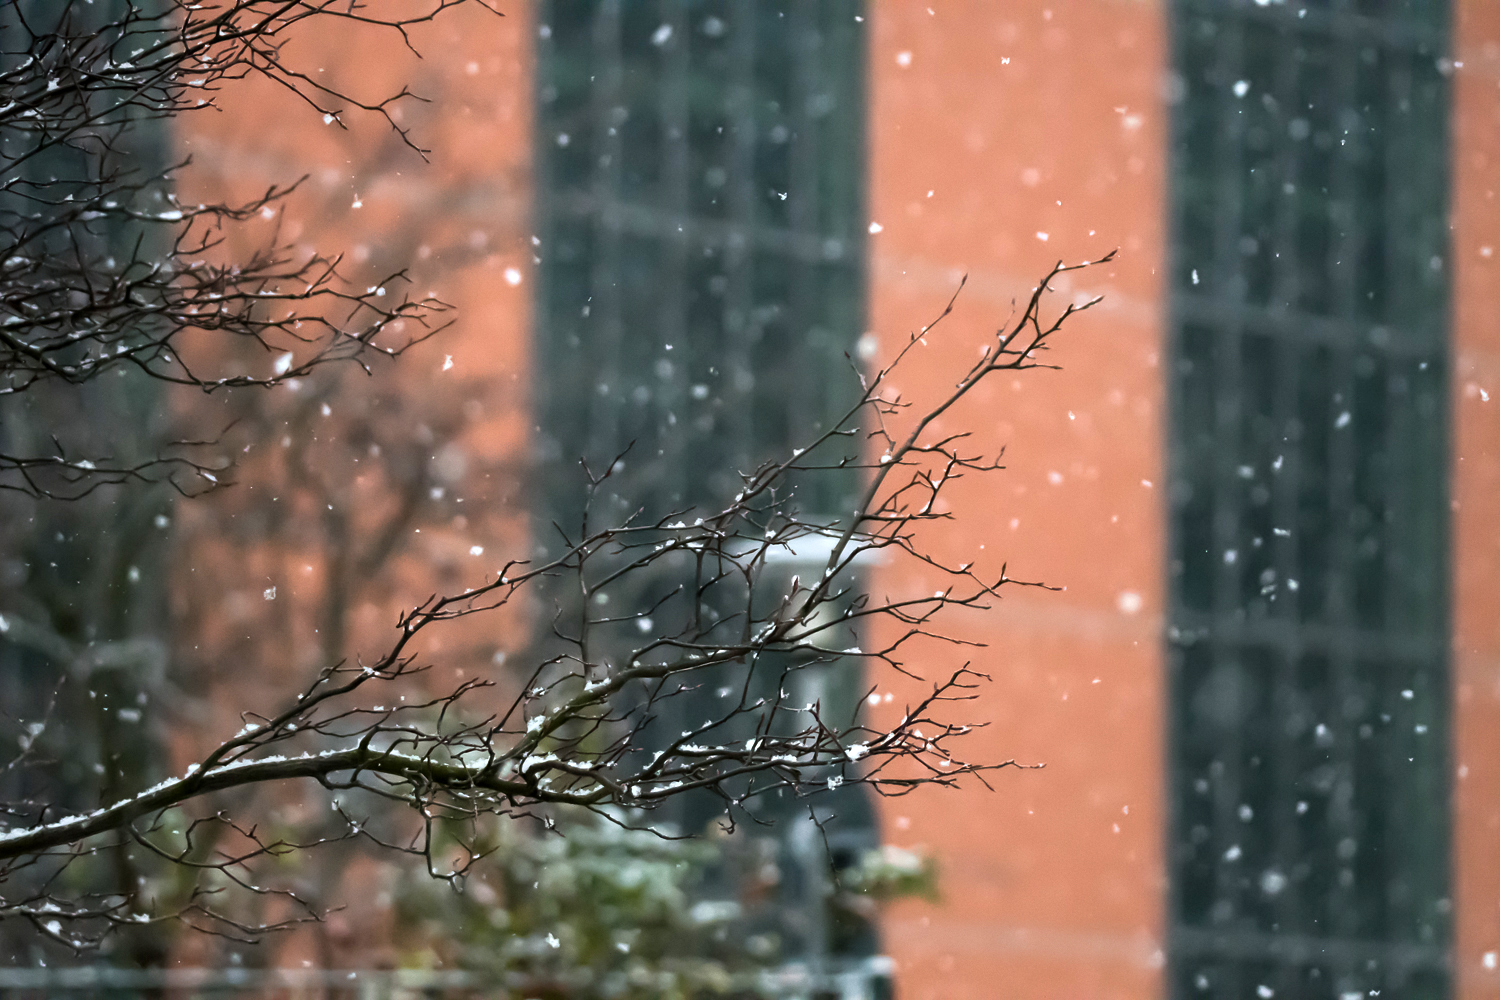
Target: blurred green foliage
581	908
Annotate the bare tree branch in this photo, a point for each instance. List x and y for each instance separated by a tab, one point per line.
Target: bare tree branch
583	723
103	270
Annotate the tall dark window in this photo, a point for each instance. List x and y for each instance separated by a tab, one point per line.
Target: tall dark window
700	234
1309	834
699	198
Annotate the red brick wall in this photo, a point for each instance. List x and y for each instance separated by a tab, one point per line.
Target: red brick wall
1475	256
1021	119
990	124
460	225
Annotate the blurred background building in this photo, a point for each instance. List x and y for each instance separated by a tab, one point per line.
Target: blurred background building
1267	476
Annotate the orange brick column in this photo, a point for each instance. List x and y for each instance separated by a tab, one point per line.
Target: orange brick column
1475	401
459	225
1004	136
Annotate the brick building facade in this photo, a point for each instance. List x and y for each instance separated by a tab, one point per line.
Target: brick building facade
1266	475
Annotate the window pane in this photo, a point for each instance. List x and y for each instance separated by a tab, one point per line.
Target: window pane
699	197
1309	514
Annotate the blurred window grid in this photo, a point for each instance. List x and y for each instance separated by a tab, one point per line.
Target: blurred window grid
699	200
1308	851
700	222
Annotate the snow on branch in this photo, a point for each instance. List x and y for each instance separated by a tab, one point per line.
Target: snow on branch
731	606
103	269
